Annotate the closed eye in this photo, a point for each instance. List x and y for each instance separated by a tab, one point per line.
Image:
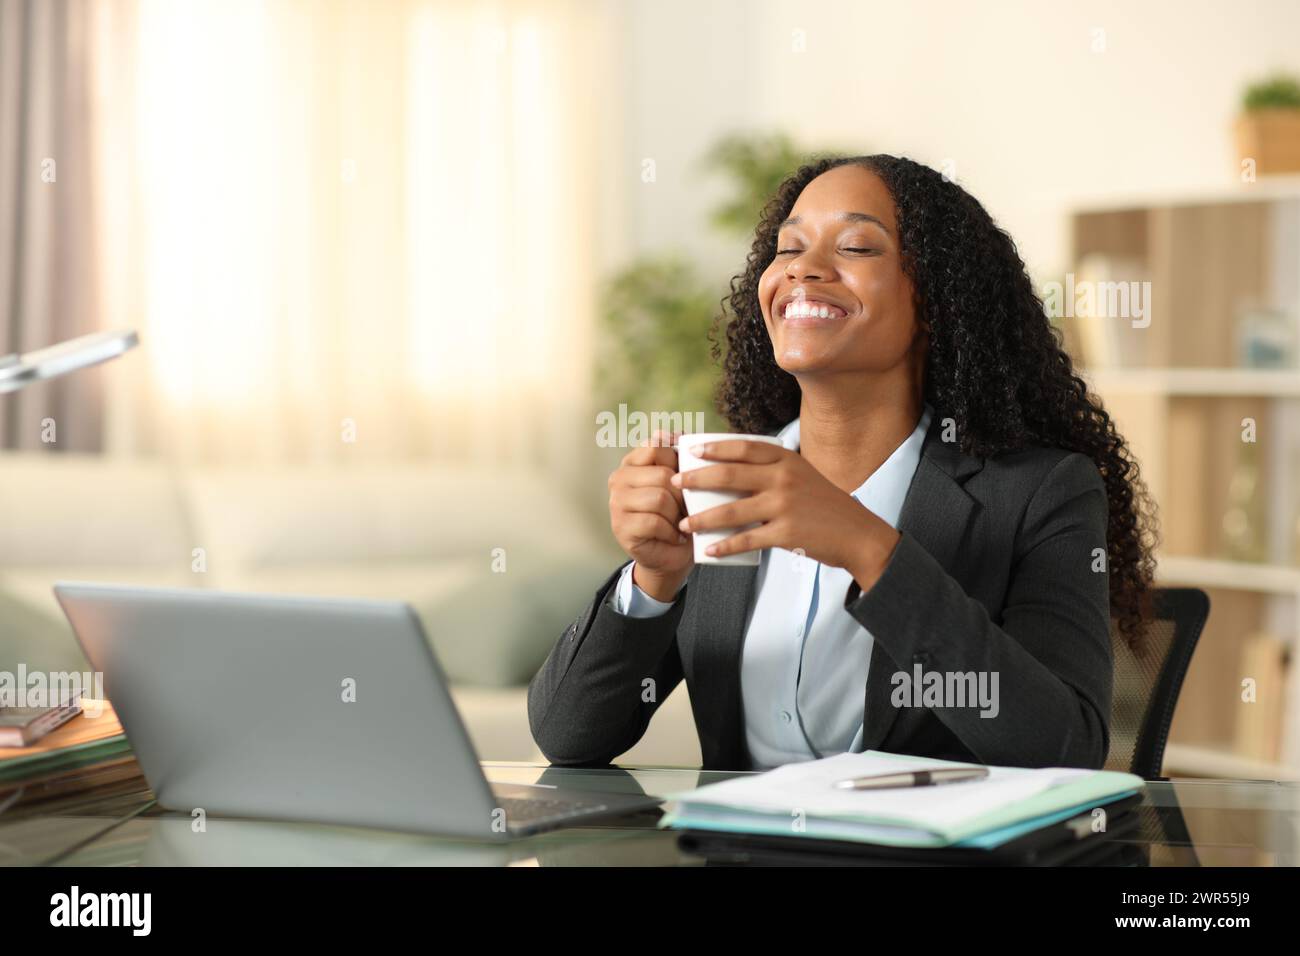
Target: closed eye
782	252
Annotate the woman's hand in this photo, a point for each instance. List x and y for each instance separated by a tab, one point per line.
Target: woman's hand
644	508
799	508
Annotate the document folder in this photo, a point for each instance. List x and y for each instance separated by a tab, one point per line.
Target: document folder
1068	842
801	801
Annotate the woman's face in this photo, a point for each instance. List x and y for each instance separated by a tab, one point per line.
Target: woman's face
838	252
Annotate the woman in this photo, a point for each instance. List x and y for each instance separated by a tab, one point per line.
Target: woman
946	530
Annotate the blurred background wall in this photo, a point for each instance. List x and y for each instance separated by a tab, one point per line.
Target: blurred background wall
1035	107
389	260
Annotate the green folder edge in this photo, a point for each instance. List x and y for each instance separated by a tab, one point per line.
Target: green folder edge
996	838
1052	805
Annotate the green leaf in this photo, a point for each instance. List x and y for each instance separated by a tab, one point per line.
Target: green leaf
1279	91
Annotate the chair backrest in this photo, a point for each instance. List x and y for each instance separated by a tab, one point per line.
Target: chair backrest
1147	682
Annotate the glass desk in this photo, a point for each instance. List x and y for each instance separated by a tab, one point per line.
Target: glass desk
1185	822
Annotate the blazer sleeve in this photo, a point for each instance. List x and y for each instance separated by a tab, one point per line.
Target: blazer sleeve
604	679
1051	648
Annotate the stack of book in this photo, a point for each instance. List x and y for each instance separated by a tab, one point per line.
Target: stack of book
86	753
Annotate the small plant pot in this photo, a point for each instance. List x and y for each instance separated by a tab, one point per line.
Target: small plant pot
1271	137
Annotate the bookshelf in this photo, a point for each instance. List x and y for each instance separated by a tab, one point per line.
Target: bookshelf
1217	347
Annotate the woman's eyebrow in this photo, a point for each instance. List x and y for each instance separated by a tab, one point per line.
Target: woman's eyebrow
843	217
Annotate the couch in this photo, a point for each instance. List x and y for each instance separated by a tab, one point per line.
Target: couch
495	563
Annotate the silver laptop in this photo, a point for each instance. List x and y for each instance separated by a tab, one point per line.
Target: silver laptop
301	708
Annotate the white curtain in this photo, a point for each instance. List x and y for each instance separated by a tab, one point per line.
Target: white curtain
350	229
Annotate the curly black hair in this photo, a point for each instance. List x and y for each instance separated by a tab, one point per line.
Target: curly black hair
996	364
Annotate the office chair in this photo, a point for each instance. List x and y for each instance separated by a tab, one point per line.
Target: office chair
1147	683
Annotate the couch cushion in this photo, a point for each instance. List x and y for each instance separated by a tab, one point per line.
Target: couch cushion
416	582
259	518
32	637
33	628
89	510
497	722
497	630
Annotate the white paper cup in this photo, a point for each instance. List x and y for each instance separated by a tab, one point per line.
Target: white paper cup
699	499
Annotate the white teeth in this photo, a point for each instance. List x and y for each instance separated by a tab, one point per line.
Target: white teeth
801	309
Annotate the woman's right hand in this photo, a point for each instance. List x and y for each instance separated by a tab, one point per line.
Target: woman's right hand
644	510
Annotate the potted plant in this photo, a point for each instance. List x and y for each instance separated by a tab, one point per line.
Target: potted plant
1268	129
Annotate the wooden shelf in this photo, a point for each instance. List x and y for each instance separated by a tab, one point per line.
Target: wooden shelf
1270	188
1208	382
1205	258
1182	760
1233	575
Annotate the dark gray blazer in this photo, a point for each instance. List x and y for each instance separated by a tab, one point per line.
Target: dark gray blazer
1000	568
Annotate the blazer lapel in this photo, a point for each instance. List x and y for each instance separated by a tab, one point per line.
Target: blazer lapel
722	599
937	513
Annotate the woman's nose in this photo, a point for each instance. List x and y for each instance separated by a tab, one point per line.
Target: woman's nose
806	265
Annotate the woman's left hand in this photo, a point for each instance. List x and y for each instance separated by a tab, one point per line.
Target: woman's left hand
799	508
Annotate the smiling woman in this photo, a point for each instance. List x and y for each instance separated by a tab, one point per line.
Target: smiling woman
946	498
948	316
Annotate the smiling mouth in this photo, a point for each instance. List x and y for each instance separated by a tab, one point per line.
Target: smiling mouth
807	312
